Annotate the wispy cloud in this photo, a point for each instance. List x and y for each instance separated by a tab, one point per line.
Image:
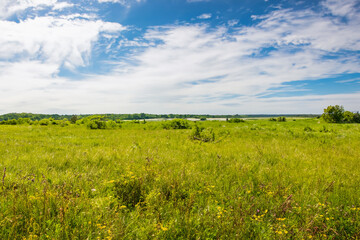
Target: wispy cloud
348	80
54	40
10	7
182	68
204	16
126	3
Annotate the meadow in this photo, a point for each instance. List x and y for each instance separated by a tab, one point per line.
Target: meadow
257	179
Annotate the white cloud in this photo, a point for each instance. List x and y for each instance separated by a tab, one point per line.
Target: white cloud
233	22
10	7
204	16
341	8
62	5
126	3
195	68
53	40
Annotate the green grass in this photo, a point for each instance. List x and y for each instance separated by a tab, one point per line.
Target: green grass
257	180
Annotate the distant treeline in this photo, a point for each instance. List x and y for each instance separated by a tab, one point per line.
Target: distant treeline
137	116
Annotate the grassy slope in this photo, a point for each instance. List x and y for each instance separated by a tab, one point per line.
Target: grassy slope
259	179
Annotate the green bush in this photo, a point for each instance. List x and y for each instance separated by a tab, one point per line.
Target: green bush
281	119
177	124
96	124
356	118
333	114
44	122
348	117
202	134
111	124
235	120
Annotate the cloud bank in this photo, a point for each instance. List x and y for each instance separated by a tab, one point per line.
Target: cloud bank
183	68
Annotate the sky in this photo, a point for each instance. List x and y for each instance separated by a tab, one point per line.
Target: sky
179	56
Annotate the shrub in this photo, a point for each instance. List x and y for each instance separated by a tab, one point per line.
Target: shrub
235	120
356	117
333	114
202	134
177	124
24	121
44	122
348	117
111	124
96	124
73	119
64	123
281	119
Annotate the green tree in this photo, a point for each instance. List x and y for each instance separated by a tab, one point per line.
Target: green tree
333	114
73	119
348	117
356	117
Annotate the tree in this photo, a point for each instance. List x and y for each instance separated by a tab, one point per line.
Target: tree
333	114
348	117
73	119
356	117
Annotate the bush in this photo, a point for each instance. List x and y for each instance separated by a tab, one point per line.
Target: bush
111	124
177	124
348	117
202	134
73	119
44	122
356	118
64	123
235	120
333	114
281	119
96	124
24	121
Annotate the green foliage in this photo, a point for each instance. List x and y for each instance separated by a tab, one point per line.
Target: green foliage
235	120
333	114
257	180
96	124
135	116
177	124
129	190
278	119
348	117
281	119
73	119
308	129
111	124
202	134
203	119
356	117
44	122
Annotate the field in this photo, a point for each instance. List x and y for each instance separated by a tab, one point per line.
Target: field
257	179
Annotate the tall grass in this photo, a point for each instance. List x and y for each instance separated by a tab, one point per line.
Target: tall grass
257	179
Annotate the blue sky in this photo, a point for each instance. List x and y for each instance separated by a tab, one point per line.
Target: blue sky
179	56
